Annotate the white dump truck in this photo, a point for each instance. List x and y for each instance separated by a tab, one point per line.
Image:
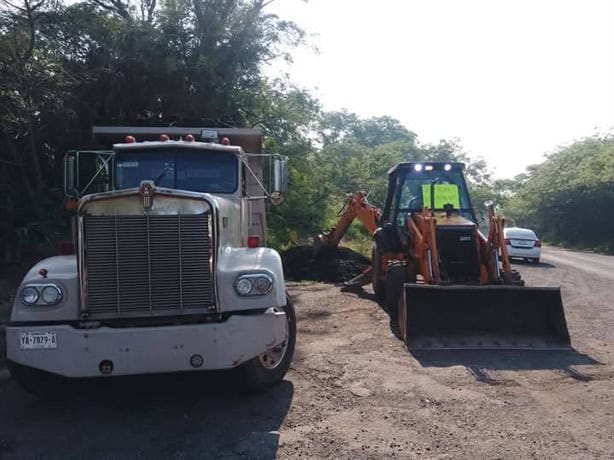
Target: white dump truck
170	271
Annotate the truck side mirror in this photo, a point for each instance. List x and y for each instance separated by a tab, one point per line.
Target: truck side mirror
70	175
280	175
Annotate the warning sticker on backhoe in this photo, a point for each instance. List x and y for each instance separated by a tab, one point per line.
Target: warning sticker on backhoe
444	194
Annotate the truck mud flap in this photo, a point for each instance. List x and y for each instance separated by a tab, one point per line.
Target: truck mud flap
483	317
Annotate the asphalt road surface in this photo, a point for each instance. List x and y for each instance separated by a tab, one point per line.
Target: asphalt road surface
354	391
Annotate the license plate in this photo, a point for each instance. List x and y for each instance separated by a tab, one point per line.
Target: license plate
37	340
522	244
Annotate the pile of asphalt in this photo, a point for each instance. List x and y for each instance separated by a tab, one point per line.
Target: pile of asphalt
333	265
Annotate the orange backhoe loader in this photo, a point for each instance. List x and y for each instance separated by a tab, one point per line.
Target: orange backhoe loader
444	283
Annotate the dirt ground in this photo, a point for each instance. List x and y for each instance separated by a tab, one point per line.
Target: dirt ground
354	391
360	393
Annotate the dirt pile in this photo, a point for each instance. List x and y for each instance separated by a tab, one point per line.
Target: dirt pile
333	265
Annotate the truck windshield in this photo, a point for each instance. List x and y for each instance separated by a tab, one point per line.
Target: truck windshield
195	170
433	189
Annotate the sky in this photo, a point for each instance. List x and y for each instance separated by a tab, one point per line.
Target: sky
513	80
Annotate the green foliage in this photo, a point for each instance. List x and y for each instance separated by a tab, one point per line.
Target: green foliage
568	198
67	66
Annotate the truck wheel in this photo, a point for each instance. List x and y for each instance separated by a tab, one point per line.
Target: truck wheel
379	285
41	384
271	366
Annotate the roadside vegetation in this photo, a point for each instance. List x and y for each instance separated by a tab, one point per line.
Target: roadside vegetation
69	65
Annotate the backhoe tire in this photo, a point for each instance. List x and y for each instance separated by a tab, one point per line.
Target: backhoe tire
270	367
379	284
396	278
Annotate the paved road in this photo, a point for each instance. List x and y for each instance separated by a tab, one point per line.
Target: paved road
586	262
355	392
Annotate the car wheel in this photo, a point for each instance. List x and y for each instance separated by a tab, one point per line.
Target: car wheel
270	367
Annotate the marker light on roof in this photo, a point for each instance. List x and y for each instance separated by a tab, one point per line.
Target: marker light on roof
418	167
130	139
189	138
225	141
428	168
164	137
447	167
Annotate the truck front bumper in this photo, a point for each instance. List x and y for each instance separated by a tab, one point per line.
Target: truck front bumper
145	350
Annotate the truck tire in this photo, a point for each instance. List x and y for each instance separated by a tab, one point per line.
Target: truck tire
41	384
270	367
379	284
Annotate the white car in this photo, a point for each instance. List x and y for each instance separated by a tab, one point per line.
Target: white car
522	243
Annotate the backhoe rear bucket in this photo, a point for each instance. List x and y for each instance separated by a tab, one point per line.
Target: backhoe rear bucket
484	317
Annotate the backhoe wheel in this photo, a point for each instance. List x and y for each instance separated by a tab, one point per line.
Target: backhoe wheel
402	318
270	367
397	276
379	284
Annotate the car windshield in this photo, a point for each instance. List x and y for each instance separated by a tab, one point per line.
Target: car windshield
519	233
195	170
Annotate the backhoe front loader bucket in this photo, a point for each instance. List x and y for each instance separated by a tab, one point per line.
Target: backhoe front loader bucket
486	317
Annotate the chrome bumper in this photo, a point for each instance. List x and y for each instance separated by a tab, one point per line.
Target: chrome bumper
147	350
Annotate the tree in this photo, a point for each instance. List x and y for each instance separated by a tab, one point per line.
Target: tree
66	67
567	197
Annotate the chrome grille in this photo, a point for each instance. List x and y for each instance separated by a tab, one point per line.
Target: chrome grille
147	265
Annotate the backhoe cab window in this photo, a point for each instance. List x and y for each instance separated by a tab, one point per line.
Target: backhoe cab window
415	189
194	170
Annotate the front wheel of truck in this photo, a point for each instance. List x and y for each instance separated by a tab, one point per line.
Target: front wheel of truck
41	384
271	366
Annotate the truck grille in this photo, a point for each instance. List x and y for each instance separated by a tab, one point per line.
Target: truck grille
147	265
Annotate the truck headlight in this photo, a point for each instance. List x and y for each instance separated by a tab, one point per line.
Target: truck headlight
51	294
253	284
41	294
244	286
29	295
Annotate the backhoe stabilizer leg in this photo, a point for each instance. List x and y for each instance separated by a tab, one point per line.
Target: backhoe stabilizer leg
356	283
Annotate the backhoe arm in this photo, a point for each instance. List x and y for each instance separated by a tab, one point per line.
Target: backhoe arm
495	243
356	206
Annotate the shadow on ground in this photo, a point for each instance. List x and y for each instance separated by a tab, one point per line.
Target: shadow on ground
504	359
168	416
478	362
531	264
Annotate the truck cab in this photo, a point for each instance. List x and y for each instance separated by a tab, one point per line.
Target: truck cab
170	271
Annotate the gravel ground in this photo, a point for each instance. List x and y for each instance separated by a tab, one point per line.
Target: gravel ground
354	391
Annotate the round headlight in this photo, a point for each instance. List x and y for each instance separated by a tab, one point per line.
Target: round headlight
29	295
244	286
262	284
51	295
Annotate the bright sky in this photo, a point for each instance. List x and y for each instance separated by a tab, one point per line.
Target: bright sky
511	79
